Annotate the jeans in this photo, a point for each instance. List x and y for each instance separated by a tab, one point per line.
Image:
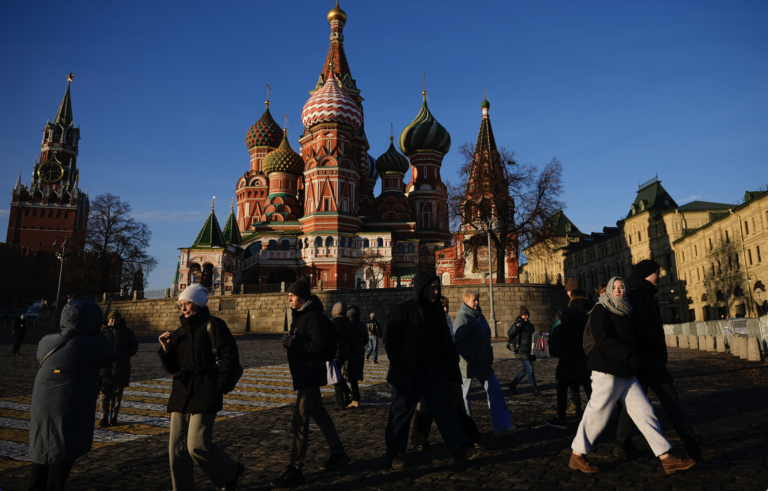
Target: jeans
110	396
309	404
671	404
373	347
562	395
496	402
191	441
49	477
527	370
606	391
433	385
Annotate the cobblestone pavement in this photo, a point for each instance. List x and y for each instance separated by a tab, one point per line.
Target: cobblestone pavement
726	399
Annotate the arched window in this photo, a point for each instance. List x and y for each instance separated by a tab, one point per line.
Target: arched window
720	296
343	242
379	242
400	248
285	245
738	292
366	243
329	242
255	248
306	243
272	246
319	242
703	297
299	244
410	248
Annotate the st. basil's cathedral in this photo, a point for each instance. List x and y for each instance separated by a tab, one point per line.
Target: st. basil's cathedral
314	212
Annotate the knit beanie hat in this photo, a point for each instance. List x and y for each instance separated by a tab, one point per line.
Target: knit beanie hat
300	288
524	311
195	293
646	268
353	312
114	313
339	309
571	284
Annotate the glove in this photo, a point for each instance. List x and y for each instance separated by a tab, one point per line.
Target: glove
635	363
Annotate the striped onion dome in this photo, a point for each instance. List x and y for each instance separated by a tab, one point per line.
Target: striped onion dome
265	133
392	160
283	159
331	104
373	174
425	133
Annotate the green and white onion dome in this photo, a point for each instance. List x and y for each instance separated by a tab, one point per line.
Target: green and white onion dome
425	133
392	160
283	159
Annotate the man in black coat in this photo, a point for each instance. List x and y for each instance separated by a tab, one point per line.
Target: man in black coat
19	332
306	346
651	348
422	362
116	377
198	392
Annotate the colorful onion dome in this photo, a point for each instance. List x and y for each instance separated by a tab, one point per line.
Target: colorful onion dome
425	133
337	14
331	104
283	159
485	104
373	174
265	133
392	160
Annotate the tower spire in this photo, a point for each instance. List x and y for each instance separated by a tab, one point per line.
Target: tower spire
18	183
64	116
268	88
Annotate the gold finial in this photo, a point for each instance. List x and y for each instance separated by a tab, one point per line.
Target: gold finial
233	204
337	14
70	77
268	95
213	202
285	126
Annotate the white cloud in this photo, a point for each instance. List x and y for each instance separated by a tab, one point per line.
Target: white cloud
169	216
693	197
4	213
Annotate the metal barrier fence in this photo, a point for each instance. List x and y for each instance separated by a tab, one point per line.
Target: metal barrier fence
752	328
149	294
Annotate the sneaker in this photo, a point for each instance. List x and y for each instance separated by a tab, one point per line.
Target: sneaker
468	451
421	448
232	485
394	459
627	450
505	433
335	460
673	464
560	424
291	476
579	463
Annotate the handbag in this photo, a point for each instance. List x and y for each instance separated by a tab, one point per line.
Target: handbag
333	372
237	369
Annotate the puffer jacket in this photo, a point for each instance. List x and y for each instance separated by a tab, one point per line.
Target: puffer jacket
472	337
305	354
124	343
66	386
525	330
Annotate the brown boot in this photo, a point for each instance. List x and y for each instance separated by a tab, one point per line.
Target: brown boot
673	464
353	404
579	463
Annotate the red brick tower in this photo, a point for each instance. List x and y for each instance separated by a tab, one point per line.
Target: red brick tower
52	205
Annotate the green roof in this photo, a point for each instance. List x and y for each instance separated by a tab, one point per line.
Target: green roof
176	276
64	116
231	231
210	235
562	225
651	195
704	206
485	139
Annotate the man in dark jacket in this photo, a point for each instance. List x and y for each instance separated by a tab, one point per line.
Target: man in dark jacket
305	345
19	332
198	392
651	348
565	342
373	339
116	377
523	329
422	363
352	371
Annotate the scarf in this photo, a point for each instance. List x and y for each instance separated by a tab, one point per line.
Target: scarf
615	305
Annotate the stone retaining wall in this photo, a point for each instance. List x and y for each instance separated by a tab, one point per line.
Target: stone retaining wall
269	312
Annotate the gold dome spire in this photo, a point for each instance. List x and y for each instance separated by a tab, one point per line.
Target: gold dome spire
337	14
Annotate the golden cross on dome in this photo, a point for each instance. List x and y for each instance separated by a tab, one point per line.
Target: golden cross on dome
213	202
70	77
485	91
268	88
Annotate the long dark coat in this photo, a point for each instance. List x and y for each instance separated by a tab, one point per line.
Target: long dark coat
650	342
570	334
197	387
19	327
124	343
306	358
358	338
403	336
63	404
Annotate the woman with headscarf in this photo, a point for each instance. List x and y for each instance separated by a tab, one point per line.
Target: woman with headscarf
64	396
614	365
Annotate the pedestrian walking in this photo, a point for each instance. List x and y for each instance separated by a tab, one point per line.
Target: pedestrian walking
306	348
520	341
67	383
115	378
19	332
614	365
651	348
473	342
373	339
574	404
422	363
199	383
346	336
565	342
352	371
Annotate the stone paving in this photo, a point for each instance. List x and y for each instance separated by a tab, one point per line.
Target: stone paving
725	397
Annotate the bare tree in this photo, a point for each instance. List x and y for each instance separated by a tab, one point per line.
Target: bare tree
374	267
507	198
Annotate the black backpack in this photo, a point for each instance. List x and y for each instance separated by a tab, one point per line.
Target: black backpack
236	373
329	353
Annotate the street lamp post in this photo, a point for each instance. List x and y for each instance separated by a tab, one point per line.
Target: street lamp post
62	256
490	274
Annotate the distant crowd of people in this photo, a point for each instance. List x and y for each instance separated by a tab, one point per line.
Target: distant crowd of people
614	349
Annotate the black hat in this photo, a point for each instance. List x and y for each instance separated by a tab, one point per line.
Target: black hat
524	311
646	268
301	288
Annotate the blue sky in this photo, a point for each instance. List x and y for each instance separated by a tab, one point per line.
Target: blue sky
165	92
